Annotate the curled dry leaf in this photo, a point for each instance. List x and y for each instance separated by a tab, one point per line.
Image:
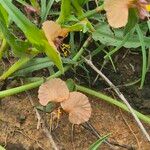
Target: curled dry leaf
78	107
116	12
54	90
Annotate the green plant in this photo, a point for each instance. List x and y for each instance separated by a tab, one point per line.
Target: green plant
36	48
97	144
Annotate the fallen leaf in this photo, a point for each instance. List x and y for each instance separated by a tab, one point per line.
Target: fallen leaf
54	90
78	107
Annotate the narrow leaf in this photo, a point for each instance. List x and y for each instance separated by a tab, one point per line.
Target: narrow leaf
144	65
96	145
132	21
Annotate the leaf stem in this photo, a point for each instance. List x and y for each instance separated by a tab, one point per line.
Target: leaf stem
3	48
144	57
91	12
65	11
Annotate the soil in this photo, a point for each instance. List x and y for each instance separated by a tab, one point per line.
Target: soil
18	121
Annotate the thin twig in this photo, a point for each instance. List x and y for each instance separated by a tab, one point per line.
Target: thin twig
126	122
121	96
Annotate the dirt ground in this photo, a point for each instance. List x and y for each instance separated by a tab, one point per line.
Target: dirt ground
18	127
18	120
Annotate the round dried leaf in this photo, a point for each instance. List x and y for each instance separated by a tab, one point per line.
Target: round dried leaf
117	12
54	90
78	107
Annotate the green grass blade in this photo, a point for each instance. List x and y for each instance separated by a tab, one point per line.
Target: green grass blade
144	58
65	11
28	70
14	67
35	4
54	56
45	9
5	15
148	63
22	2
3	48
49	5
96	145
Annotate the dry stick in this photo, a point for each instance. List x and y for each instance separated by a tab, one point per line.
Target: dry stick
121	96
41	122
126	122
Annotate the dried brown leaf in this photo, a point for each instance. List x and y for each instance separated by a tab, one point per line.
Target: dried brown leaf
78	107
54	90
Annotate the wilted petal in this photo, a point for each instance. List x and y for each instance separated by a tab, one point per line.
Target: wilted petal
54	90
143	13
78	107
117	12
53	30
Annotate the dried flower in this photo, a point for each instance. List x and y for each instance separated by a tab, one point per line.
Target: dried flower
117	10
54	90
54	33
75	103
78	107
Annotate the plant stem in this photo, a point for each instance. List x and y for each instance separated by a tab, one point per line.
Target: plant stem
79	12
65	11
29	86
144	55
3	48
78	8
111	101
91	12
